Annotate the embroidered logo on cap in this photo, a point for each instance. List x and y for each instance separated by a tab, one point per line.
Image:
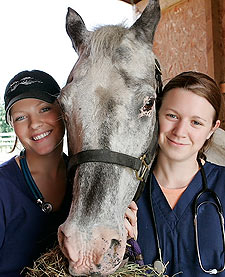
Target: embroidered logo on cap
24	81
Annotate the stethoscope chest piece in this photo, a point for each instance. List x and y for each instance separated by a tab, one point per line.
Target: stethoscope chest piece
46	207
159	267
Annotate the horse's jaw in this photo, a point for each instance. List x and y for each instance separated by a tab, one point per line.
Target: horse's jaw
98	252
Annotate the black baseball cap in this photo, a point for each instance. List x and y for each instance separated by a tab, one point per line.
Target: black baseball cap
30	84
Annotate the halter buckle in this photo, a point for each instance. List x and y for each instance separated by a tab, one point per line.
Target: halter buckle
140	174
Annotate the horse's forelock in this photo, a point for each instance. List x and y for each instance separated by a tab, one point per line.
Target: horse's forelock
105	40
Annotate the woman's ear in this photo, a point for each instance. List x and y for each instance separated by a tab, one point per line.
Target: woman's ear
216	126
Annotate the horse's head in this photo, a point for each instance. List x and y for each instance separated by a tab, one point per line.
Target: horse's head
109	106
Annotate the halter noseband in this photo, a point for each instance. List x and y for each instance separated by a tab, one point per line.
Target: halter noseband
140	165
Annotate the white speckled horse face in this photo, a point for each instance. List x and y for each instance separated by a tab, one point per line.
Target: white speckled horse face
109	103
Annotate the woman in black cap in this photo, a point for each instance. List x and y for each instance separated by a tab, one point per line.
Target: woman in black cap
34	196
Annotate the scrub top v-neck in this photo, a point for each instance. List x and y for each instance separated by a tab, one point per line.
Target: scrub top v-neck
175	227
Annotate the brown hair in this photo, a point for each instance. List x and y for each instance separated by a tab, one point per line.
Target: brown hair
201	85
14	145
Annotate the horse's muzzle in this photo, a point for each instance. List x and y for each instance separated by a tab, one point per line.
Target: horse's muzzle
98	253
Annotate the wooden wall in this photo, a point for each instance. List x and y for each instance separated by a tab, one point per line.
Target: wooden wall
191	36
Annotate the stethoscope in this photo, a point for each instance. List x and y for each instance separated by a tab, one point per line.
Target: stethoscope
159	266
46	207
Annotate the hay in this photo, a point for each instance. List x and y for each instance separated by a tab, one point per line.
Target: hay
53	263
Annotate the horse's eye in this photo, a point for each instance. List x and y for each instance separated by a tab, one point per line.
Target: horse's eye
148	105
146	109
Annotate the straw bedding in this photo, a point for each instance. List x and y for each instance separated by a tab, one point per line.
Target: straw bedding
53	263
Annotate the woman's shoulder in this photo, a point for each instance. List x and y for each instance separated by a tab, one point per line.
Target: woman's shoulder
213	168
9	172
8	165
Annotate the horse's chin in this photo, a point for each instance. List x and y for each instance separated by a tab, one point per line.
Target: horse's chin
93	270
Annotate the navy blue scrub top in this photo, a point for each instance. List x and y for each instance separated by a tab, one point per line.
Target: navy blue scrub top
176	227
25	230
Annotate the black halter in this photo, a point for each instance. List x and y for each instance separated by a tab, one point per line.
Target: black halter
140	165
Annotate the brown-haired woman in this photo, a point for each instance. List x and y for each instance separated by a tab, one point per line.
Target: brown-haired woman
182	186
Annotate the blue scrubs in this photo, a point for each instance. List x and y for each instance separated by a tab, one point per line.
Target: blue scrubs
176	227
25	230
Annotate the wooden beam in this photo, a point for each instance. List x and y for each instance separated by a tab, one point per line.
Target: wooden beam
164	4
131	1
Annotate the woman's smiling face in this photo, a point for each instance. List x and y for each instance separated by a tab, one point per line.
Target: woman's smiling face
186	122
38	125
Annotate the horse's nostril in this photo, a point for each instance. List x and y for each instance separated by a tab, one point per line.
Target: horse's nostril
114	243
95	275
61	237
63	243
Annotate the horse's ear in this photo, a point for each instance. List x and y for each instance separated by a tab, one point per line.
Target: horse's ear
76	29
146	24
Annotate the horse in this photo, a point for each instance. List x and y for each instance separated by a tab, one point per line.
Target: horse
109	109
216	151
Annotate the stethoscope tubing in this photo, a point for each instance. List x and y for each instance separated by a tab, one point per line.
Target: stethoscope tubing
219	209
209	271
